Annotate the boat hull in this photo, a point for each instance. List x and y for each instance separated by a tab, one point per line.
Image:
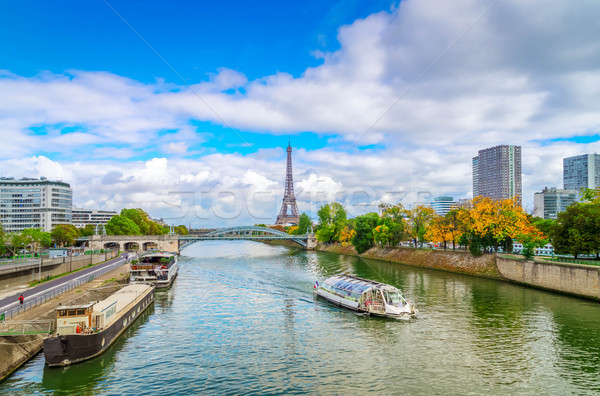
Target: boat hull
63	350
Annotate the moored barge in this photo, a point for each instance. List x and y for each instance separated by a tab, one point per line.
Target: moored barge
87	330
159	268
365	296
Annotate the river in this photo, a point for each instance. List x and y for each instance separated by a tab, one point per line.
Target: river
241	318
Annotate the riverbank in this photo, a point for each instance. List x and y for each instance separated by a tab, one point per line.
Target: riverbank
573	279
16	350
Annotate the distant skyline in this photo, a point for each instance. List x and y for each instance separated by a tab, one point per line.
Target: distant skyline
185	108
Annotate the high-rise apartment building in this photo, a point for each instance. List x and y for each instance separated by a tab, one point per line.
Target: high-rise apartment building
581	171
442	205
551	201
497	173
34	203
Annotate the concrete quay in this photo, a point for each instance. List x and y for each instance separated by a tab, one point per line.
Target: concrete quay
16	350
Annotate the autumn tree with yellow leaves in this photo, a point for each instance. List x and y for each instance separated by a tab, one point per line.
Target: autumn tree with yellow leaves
495	223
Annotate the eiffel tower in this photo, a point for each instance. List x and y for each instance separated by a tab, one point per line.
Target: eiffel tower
289	200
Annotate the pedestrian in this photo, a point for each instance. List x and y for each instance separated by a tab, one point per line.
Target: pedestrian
21	299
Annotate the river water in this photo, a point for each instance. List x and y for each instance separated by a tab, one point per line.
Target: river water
241	318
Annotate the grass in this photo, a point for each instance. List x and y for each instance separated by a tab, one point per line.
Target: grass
573	261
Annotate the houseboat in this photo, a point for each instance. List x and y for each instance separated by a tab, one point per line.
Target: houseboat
87	330
159	268
365	296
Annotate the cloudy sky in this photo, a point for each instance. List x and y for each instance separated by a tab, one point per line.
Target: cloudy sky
185	108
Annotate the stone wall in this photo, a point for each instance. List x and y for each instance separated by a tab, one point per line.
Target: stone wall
460	262
579	280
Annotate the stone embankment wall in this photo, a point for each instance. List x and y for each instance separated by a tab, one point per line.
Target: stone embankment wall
11	275
579	280
17	350
459	262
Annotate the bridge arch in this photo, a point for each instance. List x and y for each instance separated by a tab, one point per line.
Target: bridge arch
244	233
112	245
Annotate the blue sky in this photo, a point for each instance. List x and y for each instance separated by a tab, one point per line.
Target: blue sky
382	100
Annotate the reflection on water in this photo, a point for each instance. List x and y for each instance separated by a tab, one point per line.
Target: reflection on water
241	318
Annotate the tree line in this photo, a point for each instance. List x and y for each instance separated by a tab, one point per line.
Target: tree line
481	225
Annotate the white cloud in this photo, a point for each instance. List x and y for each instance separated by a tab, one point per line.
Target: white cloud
527	73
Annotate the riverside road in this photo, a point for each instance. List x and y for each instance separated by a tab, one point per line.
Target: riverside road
12	301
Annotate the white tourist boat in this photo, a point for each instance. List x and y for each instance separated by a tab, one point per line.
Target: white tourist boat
159	268
365	296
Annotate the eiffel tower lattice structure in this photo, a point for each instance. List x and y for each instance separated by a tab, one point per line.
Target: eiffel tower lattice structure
289	200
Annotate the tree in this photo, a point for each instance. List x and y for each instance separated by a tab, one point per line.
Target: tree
332	220
363	240
64	234
439	231
576	230
88	230
418	222
381	235
392	217
304	223
346	235
37	239
121	225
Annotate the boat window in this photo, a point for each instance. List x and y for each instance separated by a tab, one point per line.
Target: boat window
71	312
393	298
62	313
81	312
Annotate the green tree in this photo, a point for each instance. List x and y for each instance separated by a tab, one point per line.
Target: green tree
37	239
88	230
392	217
332	220
576	230
64	234
381	235
140	218
303	223
181	230
363	240
121	225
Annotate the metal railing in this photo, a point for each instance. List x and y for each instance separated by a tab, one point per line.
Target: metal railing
20	327
49	295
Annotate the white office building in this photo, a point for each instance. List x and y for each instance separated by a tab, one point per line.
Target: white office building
442	205
83	217
551	201
34	203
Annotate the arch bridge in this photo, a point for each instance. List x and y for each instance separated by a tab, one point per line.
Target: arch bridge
307	241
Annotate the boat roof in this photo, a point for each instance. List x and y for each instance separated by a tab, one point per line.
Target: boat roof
123	297
160	254
80	306
355	284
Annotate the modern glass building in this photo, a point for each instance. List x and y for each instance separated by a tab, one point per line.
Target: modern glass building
497	173
551	201
34	203
442	205
581	171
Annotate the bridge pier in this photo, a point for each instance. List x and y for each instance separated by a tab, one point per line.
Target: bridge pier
311	242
